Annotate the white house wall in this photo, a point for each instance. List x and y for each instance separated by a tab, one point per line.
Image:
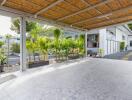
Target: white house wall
102	40
129	39
110	38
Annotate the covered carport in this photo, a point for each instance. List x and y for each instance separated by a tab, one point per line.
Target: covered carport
82	15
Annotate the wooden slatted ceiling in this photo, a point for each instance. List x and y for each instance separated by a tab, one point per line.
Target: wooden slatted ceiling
74	9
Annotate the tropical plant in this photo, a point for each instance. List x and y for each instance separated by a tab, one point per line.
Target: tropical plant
1	44
32	40
43	46
32	48
80	44
57	34
122	46
15	26
65	46
15	47
130	26
2	57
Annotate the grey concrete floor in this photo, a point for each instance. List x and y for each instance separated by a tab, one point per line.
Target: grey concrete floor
91	79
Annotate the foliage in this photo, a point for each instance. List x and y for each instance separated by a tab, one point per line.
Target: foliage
15	26
80	44
8	36
2	57
57	34
1	44
15	47
101	52
122	46
37	42
130	26
43	44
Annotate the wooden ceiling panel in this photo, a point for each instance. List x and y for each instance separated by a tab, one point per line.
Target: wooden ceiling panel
23	6
73	19
103	8
110	22
96	21
42	3
55	14
92	2
77	3
114	5
124	3
67	6
74	11
60	10
93	12
48	16
85	15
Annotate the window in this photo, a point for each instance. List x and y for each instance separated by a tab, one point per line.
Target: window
130	43
93	40
123	37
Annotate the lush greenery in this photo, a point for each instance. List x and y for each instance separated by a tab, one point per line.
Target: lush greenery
130	26
49	41
122	46
1	44
2	57
15	47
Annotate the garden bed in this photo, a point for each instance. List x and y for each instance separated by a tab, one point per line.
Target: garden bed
73	57
1	68
38	64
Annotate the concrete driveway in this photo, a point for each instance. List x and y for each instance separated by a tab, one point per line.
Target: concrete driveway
125	55
87	79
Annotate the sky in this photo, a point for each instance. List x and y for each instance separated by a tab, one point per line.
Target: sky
5	24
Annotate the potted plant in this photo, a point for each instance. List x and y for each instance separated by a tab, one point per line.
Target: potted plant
122	46
2	61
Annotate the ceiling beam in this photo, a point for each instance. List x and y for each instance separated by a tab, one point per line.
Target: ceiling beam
85	2
48	7
104	15
95	8
3	2
86	9
112	21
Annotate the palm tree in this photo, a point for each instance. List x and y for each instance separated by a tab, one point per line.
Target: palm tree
81	42
34	34
15	26
57	34
1	44
43	46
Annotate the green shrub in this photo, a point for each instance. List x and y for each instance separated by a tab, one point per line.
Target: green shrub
122	46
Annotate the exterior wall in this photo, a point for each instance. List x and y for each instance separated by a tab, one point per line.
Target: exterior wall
102	40
122	35
110	38
129	39
93	32
112	43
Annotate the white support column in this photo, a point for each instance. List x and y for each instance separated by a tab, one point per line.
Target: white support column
86	44
23	64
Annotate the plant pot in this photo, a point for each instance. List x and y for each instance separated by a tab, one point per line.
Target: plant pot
1	68
38	64
73	57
